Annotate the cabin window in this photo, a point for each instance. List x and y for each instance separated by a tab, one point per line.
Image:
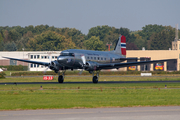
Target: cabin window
104	58
45	57
34	65
52	57
91	58
31	56
31	65
34	56
37	56
37	65
98	58
42	57
101	58
87	57
67	54
94	58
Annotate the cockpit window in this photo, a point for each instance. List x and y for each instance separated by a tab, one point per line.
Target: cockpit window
67	54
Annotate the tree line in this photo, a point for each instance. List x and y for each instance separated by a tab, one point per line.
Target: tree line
50	38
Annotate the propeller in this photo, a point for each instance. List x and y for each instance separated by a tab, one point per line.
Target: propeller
84	62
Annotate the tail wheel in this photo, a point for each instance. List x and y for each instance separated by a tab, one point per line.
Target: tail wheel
95	79
60	79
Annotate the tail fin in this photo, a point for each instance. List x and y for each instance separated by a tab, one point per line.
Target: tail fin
121	46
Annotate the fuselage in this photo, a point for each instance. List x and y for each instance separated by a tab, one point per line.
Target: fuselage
72	58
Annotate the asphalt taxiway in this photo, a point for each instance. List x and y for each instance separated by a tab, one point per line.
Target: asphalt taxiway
89	82
126	113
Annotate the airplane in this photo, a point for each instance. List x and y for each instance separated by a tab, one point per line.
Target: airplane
91	61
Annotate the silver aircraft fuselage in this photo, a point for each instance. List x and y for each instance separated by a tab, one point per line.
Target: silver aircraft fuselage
72	58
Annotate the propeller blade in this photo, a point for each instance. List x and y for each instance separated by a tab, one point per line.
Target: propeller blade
49	63
46	70
83	59
80	72
84	62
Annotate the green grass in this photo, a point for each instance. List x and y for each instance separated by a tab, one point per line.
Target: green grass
89	78
87	98
54	96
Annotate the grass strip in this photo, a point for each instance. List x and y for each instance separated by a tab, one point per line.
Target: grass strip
55	96
87	98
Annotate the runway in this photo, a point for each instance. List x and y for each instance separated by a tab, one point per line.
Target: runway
100	82
126	113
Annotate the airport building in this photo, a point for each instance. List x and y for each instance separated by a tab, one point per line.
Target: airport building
143	55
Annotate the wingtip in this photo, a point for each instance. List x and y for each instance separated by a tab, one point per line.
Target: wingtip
3	57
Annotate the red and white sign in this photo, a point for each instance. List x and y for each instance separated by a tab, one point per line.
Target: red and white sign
47	77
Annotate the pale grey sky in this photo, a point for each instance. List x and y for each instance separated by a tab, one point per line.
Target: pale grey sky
85	14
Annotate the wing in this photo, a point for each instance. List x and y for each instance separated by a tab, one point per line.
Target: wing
119	65
29	61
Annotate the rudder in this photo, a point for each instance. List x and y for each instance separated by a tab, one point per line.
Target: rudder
121	46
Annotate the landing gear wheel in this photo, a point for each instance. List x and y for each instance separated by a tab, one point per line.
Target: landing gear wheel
95	79
60	79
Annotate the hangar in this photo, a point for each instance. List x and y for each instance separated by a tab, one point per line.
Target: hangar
144	55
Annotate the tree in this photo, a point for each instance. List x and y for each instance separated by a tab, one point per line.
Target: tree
29	28
126	32
1	45
148	30
162	40
14	35
1	38
140	42
5	36
50	41
76	36
99	31
94	44
22	42
40	28
131	46
10	46
111	38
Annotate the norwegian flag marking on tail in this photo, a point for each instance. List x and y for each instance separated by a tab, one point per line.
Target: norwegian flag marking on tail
123	45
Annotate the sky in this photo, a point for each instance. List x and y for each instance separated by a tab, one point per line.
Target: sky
85	14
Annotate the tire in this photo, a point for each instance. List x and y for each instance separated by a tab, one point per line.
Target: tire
95	79
60	79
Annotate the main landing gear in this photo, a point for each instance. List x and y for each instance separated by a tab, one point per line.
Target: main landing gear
95	76
61	76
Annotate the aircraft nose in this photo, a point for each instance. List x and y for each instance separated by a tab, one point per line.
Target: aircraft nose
61	59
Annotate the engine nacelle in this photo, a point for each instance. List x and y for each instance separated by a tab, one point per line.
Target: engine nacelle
54	65
91	66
